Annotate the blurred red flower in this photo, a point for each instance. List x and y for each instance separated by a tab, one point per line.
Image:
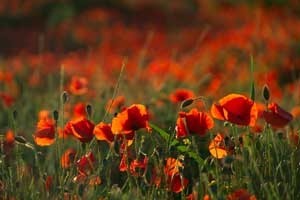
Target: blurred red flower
180	95
241	194
78	85
86	163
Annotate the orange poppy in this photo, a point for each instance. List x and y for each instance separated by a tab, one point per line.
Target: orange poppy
217	147
140	164
44	115
45	132
9	141
131	119
193	122
296	112
78	85
276	116
86	163
81	128
172	166
103	131
241	194
67	158
180	95
237	109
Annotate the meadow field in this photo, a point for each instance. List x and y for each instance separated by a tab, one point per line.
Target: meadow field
149	99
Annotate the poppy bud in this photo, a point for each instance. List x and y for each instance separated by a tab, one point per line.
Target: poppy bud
186	103
89	110
266	92
65	97
55	115
15	114
20	139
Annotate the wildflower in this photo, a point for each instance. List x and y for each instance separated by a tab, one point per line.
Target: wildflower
78	85
175	180
180	95
276	116
81	128
79	110
86	163
45	132
115	104
241	194
131	119
193	122
7	99
67	158
140	164
103	131
217	147
237	109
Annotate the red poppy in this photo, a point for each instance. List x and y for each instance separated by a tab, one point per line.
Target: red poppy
79	110
177	183
45	132
7	99
67	158
78	85
86	163
48	183
81	128
44	115
236	109
193	122
180	95
131	119
241	194
276	116
103	131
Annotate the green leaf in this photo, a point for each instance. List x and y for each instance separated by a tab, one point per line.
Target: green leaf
164	134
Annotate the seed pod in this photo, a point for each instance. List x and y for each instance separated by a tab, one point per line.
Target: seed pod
55	115
266	92
186	103
65	97
20	139
15	114
89	110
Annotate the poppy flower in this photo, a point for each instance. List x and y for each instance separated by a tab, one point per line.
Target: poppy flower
44	115
7	99
193	122
81	128
45	132
78	85
102	131
138	164
241	194
48	183
172	166
296	112
79	110
86	163
237	109
131	119
115	104
276	116
177	183
180	95
9	141
217	147
67	158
